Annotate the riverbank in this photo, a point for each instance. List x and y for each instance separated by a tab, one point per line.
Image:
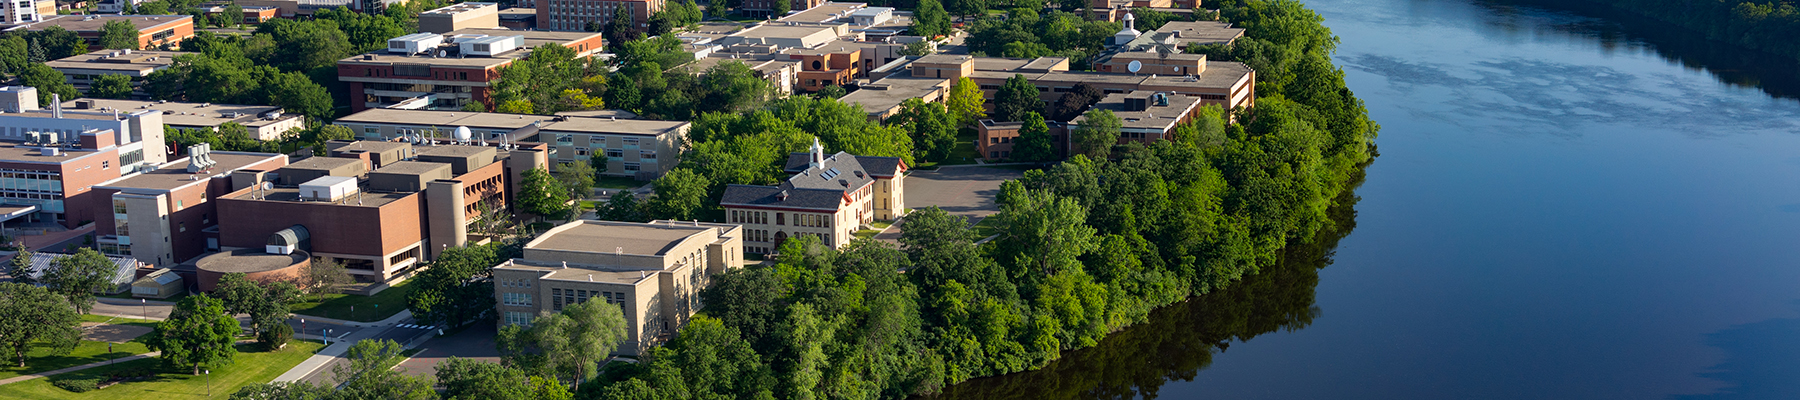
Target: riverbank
1753	25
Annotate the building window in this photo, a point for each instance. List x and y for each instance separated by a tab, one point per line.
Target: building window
105	164
518	318
646	155
581	151
631	166
516	299
615	153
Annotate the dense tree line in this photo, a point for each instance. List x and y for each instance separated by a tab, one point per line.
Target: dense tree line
1763	25
1027	33
1087	247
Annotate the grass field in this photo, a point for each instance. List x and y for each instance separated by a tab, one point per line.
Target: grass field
118	320
617	182
88	352
338	306
963	154
251	365
988	226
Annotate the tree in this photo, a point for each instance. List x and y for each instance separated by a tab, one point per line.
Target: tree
597	161
78	276
233	15
371	375
295	93
119	34
31	317
1015	99
578	177
19	268
680	195
623	206
59	43
1071	104
542	194
965	8
466	379
620	28
35	54
930	20
567	344
457	287
198	333
48	82
919	48
1034	144
1097	132
780	8
266	303
933	128
110	86
831	92
323	277
965	102
519	106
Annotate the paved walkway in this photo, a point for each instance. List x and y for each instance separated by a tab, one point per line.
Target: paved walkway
312	369
23	378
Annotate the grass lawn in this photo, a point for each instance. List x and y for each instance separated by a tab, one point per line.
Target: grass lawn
878	225
127	296
987	227
963	154
617	182
87	352
866	233
252	365
338	306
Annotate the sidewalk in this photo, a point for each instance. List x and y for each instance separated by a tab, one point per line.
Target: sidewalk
339	346
23	378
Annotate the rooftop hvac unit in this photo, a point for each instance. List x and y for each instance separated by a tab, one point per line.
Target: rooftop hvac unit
415	43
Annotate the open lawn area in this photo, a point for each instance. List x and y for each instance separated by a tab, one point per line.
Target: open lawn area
989	226
963	154
338	306
118	320
251	365
88	352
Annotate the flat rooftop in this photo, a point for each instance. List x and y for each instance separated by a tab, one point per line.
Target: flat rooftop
630	238
106	60
1161	117
373	146
249	261
93	22
533	39
410	168
826	12
460	8
446	119
889	92
188	114
363	198
20	152
322	163
451	150
175	174
382	57
555	271
1202	32
784	31
611	126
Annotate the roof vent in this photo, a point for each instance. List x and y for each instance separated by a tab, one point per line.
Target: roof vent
781	196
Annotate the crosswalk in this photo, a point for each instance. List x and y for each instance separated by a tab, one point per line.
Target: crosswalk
411	326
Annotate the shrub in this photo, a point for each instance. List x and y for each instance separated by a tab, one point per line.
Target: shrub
77	385
275	336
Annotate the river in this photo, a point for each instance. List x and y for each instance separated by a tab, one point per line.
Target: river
1567	205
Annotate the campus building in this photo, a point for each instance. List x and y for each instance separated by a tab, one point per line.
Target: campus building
81	70
644	149
168	215
577	15
653	271
378	208
446	71
51	159
266	123
460	16
1146	116
830	197
23	11
1227	84
153	30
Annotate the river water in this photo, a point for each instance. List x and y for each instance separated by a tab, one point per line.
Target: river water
1567	205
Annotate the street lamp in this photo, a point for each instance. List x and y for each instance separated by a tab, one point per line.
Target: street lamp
209	383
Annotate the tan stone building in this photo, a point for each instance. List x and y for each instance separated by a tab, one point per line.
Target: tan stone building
830	197
653	272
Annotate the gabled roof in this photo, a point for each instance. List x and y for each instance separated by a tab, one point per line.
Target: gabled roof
771	196
824	187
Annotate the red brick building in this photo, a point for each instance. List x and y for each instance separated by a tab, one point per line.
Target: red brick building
448	71
575	15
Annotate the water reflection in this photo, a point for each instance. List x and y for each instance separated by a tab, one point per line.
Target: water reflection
1179	340
1616	31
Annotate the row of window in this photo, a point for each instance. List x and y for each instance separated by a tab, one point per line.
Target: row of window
515	283
515	299
812	220
616	153
560	297
518	318
749	217
756	235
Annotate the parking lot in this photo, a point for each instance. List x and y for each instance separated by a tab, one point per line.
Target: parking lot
966	191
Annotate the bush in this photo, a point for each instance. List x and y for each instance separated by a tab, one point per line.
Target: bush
275	336
77	385
130	373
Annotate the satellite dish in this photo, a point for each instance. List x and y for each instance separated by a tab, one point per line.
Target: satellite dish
442	53
462	134
268	185
1134	66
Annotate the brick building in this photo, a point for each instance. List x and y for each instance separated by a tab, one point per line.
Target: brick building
445	71
153	30
50	160
168	215
575	15
829	197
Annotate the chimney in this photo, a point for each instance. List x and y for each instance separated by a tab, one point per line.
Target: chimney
56	105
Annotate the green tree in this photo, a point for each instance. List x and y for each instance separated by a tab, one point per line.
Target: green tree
266	303
59	43
323	277
198	333
233	15
542	194
519	106
1015	99
597	161
965	102
780	8
466	379
78	276
567	344
930	20
370	374
578	177
1071	104
296	93
965	8
680	195
31	317
919	48
110	86
48	82
1097	132
1044	232
119	34
932	127
623	206
457	288
19	267
621	28
1034	143
35	54
831	92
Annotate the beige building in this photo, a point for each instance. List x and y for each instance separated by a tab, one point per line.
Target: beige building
266	123
644	149
654	272
1227	84
460	16
829	197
